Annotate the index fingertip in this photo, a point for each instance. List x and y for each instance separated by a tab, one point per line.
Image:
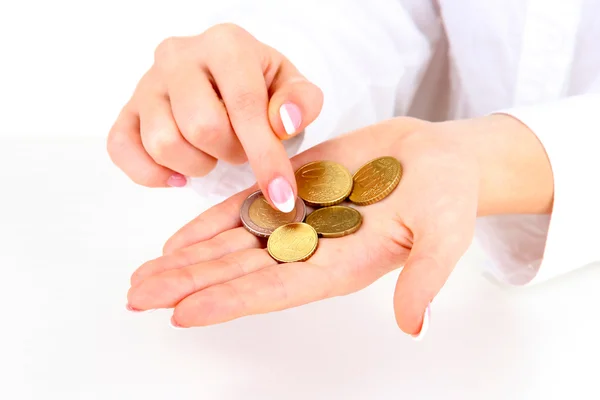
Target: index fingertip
281	194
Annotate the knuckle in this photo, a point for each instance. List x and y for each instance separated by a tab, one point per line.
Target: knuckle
204	131
185	278
227	43
161	143
235	262
276	286
165	49
226	32
169	52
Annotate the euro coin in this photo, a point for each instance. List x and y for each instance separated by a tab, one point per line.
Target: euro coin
375	180
260	219
335	221
323	183
293	242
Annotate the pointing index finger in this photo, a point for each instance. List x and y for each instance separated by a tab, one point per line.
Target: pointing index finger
241	83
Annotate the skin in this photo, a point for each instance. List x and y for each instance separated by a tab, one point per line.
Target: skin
214	96
213	271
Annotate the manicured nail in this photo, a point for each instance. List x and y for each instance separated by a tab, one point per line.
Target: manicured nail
282	195
132	309
174	324
291	117
177	180
425	324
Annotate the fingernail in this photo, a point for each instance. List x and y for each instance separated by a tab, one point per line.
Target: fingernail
174	324
425	324
177	180
135	310
291	117
282	195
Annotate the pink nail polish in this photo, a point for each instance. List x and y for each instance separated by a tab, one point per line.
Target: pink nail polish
291	117
282	195
425	324
129	308
177	180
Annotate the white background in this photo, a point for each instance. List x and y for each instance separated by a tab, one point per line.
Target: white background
67	67
73	228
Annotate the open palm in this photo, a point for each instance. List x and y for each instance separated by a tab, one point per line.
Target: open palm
214	270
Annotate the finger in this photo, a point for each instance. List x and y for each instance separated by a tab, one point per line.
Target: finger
239	76
295	102
224	243
202	117
125	149
431	260
278	287
169	288
164	143
217	219
273	288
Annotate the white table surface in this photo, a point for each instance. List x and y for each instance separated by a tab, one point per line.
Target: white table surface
73	228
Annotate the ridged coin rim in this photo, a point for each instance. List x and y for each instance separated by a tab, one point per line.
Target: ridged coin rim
394	183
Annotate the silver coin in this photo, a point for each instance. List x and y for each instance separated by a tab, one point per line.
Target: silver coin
260	219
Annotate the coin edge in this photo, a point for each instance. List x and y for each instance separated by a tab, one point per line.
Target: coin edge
384	193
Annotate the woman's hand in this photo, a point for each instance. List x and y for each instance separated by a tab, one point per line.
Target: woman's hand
221	95
213	270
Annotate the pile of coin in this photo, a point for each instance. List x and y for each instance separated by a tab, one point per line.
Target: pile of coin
322	185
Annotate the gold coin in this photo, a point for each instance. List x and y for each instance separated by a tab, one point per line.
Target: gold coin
323	183
375	180
335	221
265	216
260	219
293	242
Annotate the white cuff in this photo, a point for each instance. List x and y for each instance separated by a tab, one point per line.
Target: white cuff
527	249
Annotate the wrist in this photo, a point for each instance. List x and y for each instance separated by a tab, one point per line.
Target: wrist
515	173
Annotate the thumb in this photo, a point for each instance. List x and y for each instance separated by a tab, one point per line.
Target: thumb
431	260
295	102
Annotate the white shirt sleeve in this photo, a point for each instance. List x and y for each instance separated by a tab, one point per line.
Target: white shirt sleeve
366	56
526	249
